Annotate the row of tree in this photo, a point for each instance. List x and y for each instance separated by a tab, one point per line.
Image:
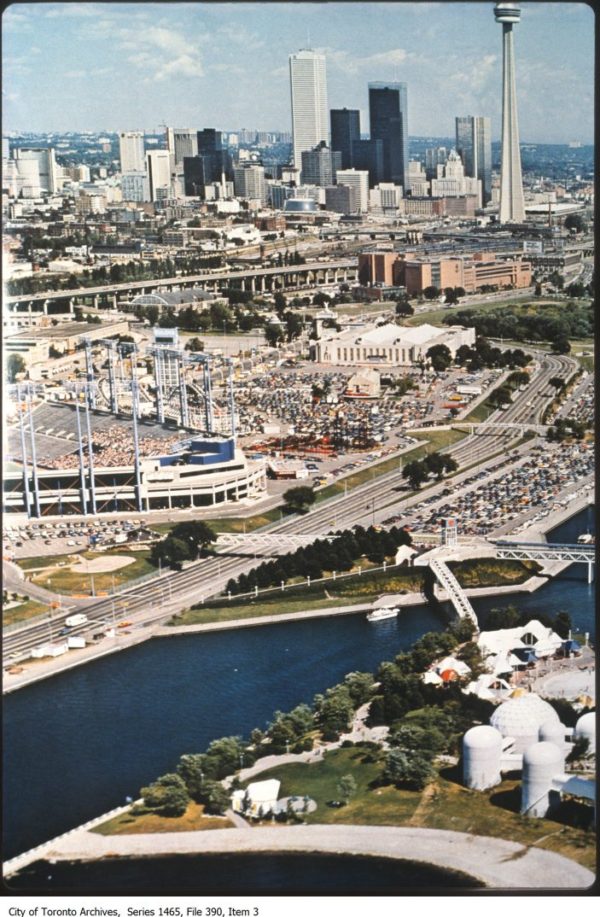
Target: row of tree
339	555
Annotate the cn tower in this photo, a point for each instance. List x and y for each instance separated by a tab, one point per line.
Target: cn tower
512	207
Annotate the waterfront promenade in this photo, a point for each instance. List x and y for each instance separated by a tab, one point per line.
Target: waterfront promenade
499	864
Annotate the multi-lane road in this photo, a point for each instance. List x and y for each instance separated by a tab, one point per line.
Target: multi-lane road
370	503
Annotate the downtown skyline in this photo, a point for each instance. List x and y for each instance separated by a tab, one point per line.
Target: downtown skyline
226	65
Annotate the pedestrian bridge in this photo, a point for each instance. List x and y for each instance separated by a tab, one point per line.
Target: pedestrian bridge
448	581
267	543
569	553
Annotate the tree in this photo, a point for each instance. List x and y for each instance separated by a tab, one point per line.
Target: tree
403	307
440	357
360	687
450	296
217	799
346	787
166	796
195	345
431	292
415	474
274	334
299	499
408	769
334	710
14	366
575	222
195	771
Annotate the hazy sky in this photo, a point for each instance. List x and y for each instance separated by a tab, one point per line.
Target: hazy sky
115	66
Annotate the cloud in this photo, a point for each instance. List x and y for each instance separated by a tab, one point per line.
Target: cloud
351	63
73	10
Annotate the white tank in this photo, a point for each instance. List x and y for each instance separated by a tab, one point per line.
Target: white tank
541	763
482	747
585	728
555	732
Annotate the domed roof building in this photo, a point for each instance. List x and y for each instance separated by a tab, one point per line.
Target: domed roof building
585	728
521	717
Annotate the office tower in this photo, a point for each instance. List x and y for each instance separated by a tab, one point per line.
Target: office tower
131	151
345	129
388	116
249	182
360	181
368	155
159	174
512	205
135	187
434	156
308	84
5	148
474	146
217	161
342	199
181	142
193	176
47	169
319	166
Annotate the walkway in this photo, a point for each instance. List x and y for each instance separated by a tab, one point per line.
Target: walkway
497	863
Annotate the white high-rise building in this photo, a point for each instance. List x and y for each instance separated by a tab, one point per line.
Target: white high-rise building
249	182
512	204
356	179
310	115
131	151
159	174
182	142
46	166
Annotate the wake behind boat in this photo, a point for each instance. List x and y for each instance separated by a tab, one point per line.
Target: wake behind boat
379	614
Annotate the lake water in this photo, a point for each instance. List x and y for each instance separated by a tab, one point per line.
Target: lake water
77	744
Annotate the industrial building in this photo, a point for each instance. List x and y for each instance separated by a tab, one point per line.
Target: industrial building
415	273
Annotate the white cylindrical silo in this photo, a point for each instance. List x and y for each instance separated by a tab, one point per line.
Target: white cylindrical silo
482	748
541	763
555	732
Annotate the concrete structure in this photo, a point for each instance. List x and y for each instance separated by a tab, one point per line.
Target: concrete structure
342	199
47	169
135	187
481	751
308	84
249	182
358	180
181	142
319	166
131	151
388	118
158	163
388	344
512	207
451	180
541	762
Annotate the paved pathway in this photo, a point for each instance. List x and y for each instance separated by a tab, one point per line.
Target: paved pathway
497	863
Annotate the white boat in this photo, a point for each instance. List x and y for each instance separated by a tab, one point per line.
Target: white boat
586	538
379	614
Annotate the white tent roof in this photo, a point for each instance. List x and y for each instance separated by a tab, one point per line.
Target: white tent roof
263	791
498	642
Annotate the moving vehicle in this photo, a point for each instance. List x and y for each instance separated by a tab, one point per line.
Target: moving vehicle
74	620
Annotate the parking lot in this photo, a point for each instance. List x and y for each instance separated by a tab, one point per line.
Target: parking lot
45	539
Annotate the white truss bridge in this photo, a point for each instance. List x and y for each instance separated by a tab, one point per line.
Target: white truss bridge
569	553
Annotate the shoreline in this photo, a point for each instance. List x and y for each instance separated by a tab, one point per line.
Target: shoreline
125	641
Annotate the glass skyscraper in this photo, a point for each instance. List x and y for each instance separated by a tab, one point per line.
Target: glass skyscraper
388	116
345	130
474	146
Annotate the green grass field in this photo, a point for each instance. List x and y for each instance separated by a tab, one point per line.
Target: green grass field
23	612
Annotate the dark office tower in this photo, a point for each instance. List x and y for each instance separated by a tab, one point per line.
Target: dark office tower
209	140
345	129
193	176
388	116
474	146
368	155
